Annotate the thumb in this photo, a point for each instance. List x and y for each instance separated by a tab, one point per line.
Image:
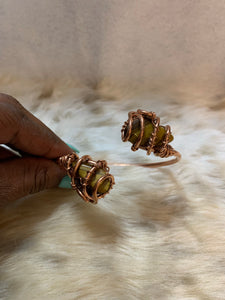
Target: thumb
23	176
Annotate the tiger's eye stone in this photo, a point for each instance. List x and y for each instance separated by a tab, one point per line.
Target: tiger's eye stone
104	186
148	129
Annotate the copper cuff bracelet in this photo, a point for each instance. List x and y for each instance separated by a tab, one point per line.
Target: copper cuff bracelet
92	180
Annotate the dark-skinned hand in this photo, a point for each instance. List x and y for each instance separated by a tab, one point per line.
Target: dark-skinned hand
36	170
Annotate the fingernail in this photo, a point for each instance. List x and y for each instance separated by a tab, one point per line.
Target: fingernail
73	148
65	183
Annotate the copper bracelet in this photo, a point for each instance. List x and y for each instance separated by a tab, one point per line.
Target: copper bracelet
91	179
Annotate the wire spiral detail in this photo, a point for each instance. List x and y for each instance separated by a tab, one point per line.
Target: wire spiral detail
156	139
91	179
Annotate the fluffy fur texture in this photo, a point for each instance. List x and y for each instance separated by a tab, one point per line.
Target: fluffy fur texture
80	66
159	234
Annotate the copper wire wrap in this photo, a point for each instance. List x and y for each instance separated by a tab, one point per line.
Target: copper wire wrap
163	150
72	163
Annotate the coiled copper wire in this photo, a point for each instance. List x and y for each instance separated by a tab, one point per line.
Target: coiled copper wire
163	150
72	163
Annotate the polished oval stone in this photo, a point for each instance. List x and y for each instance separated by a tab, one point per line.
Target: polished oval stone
104	186
148	129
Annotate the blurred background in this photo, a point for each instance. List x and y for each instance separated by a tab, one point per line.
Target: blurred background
158	45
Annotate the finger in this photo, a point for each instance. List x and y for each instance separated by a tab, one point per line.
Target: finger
23	176
21	130
6	153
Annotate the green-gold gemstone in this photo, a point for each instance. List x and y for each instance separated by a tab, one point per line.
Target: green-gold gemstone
148	130
104	186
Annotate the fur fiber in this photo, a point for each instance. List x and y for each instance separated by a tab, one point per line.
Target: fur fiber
80	66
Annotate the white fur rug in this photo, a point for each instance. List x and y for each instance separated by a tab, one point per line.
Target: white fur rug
159	234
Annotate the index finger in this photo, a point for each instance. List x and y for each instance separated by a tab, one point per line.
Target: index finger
23	131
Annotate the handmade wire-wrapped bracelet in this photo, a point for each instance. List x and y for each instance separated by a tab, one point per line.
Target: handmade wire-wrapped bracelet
91	179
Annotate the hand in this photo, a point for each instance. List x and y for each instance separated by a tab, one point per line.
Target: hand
38	145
